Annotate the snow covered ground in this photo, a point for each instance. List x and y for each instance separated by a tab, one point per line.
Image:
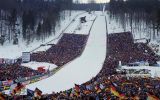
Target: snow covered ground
81	28
83	68
35	65
114	27
11	51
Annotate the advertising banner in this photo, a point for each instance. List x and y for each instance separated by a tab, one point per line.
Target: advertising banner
25	57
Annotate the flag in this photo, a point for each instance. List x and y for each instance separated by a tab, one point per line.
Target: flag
116	93
121	96
77	88
18	88
30	93
98	91
77	94
151	97
107	90
7	83
37	93
2	97
113	90
97	88
6	87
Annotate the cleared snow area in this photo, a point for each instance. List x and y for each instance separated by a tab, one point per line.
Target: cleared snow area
35	65
11	51
83	68
81	28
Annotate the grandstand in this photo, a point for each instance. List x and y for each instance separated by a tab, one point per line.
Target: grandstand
68	48
122	48
119	42
109	84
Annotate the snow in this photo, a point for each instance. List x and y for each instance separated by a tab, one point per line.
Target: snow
81	69
11	51
140	41
76	26
114	27
35	65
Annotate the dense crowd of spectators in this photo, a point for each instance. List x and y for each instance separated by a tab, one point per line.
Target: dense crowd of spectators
15	71
68	48
121	48
125	88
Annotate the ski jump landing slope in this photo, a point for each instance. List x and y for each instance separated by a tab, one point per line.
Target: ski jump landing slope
81	69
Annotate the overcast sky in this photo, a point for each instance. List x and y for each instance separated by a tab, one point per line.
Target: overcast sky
98	1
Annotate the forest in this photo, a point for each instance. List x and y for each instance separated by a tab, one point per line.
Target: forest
36	19
29	19
139	15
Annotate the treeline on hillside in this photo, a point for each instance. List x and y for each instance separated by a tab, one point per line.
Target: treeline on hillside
29	19
142	14
89	6
34	4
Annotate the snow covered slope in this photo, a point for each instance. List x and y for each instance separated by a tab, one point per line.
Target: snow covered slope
81	28
11	51
83	68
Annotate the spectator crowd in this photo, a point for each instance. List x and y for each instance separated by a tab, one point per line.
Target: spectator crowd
68	48
108	84
15	71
